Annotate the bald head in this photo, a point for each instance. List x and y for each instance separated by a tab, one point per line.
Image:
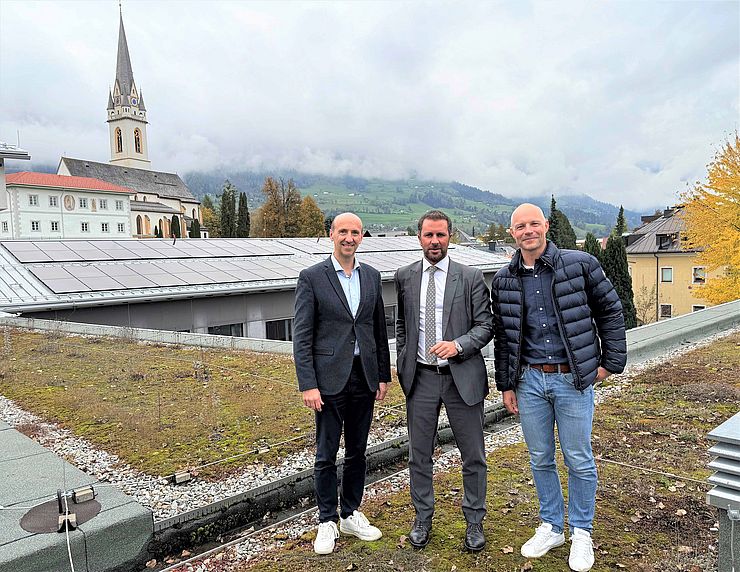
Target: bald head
527	211
344	218
346	234
529	228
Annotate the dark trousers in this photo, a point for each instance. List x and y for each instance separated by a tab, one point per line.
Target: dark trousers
353	409
431	390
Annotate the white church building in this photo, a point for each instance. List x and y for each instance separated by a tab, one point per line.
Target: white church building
89	199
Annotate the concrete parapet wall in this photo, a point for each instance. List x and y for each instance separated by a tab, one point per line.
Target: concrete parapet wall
653	339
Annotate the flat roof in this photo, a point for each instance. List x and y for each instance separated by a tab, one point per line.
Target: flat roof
37	275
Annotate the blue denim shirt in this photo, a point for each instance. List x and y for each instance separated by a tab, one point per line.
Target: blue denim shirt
541	342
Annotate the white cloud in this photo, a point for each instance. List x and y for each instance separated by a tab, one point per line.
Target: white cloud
623	101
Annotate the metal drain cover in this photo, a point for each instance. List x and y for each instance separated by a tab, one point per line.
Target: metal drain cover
45	517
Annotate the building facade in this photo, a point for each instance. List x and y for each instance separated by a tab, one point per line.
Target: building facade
158	196
664	275
45	206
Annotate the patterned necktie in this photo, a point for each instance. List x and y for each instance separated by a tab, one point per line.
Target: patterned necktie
430	318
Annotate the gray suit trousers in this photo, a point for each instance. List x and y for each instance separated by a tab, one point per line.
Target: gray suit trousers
431	390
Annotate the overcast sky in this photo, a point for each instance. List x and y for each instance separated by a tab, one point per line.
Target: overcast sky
625	101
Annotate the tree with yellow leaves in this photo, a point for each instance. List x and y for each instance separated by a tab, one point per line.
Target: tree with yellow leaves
712	215
311	219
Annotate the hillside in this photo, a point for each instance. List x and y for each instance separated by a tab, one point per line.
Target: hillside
387	204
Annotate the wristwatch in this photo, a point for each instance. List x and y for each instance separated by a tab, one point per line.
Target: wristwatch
458	347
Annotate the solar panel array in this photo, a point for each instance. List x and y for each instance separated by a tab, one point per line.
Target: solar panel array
99	266
131	249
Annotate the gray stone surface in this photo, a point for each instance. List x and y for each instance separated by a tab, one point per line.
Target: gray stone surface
4	426
726	537
31	475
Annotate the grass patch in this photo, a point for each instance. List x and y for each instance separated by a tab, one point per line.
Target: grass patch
162	408
659	422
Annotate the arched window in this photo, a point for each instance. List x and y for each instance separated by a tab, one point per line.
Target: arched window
195	215
138	225
147	225
119	141
137	140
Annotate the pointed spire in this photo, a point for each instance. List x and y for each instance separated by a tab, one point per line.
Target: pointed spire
110	100
124	74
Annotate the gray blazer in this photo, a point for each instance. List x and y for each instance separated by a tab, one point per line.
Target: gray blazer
466	318
324	331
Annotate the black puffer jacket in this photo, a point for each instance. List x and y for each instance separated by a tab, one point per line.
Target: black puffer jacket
589	315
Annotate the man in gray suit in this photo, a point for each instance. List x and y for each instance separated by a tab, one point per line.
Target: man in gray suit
444	319
340	346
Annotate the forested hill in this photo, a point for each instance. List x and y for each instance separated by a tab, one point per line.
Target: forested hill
386	204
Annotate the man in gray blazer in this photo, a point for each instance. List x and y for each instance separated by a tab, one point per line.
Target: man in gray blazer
342	361
444	319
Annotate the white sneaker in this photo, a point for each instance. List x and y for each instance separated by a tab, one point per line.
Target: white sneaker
358	525
581	551
543	540
325	538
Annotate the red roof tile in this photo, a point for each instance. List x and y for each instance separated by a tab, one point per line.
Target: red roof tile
64	181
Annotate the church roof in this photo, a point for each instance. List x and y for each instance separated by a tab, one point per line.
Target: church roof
152	207
124	74
64	181
166	185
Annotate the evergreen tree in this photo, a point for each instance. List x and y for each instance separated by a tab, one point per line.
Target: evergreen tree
207	202
621	226
592	246
195	229
327	224
228	210
156	232
281	209
176	225
614	262
242	219
561	232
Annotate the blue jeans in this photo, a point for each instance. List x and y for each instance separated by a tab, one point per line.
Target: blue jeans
546	399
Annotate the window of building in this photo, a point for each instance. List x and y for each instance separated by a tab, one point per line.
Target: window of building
234	330
5	226
666	274
121	227
35	225
103	204
54	226
697	307
698	275
666	311
390	321
119	141
53	201
83	203
33	200
104	227
663	241
119	205
137	140
85	226
279	329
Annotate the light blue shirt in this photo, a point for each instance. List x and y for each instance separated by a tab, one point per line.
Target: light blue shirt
351	287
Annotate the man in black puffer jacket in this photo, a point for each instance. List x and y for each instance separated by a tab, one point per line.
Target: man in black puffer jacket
558	329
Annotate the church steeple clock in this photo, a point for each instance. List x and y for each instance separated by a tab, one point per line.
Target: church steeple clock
127	114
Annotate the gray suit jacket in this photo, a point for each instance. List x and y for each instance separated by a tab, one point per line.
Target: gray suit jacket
324	331
466	318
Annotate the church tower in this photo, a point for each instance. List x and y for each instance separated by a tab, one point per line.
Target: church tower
127	114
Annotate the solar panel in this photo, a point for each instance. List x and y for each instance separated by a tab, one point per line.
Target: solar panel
66	285
101	283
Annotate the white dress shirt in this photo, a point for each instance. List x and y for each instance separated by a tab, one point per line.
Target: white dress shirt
440	279
351	286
